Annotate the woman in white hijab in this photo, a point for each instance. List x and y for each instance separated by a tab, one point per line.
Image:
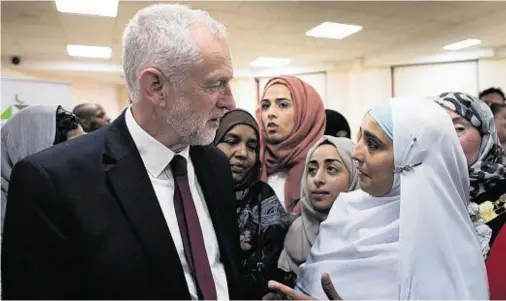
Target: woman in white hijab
406	234
31	130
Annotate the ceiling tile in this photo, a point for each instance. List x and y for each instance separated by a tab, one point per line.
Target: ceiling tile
87	30
273	28
47	31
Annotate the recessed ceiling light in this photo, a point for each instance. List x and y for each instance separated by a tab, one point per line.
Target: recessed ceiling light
89	51
330	30
269	62
462	44
104	8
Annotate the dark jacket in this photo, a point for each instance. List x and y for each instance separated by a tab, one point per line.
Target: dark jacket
83	222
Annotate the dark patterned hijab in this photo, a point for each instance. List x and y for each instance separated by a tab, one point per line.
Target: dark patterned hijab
489	168
261	218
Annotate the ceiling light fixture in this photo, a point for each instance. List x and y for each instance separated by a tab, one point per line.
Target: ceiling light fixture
269	62
104	8
89	51
331	30
462	44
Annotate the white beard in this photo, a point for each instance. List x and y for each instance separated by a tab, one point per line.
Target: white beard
191	127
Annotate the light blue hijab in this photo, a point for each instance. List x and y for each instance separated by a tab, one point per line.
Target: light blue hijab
383	116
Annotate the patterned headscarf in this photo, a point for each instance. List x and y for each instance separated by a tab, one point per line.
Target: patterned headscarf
489	168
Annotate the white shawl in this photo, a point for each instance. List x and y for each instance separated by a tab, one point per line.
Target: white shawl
418	241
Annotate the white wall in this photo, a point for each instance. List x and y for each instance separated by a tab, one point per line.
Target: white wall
492	73
432	79
83	89
355	91
95	92
245	93
428	81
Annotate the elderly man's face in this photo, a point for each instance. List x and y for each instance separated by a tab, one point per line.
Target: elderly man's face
205	96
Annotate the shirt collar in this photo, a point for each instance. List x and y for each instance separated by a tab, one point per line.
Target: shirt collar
154	154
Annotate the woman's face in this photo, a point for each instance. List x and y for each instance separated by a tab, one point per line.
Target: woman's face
327	176
375	157
240	145
278	113
469	137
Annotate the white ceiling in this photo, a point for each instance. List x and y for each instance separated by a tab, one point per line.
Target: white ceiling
393	32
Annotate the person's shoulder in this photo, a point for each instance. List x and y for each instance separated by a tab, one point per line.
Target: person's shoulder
211	153
492	193
61	155
265	188
498	190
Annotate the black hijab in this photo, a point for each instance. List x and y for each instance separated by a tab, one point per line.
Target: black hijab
228	122
336	123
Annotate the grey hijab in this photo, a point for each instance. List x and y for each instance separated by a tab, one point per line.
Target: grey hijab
305	228
27	132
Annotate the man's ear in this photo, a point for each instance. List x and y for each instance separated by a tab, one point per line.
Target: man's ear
85	124
151	84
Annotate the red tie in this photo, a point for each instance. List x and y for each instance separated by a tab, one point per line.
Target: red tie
191	233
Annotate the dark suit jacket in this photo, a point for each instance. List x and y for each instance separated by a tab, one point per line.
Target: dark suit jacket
83	222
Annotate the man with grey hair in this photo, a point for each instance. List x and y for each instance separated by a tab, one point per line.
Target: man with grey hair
142	209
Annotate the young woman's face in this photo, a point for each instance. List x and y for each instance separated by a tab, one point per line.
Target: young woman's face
278	113
375	157
327	176
469	137
240	145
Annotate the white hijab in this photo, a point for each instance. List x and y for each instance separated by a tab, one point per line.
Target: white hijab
29	131
418	241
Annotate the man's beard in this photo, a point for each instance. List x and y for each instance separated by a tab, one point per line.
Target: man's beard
191	127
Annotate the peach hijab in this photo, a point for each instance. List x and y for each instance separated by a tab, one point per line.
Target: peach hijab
290	155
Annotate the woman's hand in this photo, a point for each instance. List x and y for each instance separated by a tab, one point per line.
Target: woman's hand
291	294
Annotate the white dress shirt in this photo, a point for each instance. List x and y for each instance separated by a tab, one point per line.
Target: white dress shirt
156	158
277	183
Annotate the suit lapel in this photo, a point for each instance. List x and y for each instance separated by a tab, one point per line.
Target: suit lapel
210	187
207	178
207	181
132	187
213	190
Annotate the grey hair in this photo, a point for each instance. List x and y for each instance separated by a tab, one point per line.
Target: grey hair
160	36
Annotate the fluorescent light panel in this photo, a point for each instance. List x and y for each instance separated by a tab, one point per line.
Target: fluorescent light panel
330	30
104	8
269	62
89	51
462	44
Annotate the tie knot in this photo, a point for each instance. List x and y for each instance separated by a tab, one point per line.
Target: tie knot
178	166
